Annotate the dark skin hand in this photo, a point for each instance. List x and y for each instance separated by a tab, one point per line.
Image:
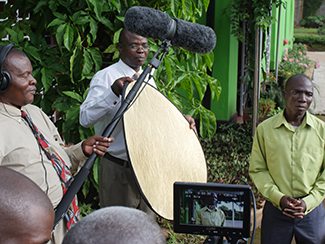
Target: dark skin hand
292	207
97	144
117	86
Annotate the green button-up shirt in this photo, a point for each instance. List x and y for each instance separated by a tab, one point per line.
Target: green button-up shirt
208	217
285	161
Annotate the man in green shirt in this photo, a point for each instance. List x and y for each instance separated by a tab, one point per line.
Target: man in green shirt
210	215
287	167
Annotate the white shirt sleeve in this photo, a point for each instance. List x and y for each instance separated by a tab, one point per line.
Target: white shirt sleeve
100	100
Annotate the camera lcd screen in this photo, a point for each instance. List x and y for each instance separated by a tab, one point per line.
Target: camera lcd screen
212	209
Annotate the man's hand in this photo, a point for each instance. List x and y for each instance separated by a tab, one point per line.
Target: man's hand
96	144
292	207
192	123
117	86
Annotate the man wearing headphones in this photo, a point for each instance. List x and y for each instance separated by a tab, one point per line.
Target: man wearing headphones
30	142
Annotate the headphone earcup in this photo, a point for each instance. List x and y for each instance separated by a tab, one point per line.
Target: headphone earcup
5	81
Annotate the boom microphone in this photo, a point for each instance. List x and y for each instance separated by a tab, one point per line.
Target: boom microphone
152	23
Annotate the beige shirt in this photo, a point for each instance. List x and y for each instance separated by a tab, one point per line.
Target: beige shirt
20	151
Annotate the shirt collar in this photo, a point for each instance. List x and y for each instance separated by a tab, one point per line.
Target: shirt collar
281	120
127	70
9	110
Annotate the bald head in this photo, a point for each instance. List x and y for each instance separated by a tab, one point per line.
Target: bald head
115	225
7	61
26	212
294	78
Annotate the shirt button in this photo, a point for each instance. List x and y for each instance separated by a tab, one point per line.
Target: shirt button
294	149
294	164
296	192
19	120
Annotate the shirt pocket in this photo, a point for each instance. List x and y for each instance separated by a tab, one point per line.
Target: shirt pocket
312	159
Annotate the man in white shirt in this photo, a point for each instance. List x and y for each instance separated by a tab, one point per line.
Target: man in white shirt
117	186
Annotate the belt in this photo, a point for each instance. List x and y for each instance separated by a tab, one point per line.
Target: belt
118	161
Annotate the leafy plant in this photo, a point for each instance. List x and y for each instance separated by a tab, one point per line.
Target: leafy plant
310	7
69	41
255	12
245	18
294	61
313	21
270	89
321	30
228	155
80	31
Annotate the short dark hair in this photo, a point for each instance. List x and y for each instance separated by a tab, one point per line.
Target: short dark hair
294	77
116	225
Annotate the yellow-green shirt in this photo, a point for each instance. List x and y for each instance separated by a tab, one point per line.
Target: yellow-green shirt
290	162
208	217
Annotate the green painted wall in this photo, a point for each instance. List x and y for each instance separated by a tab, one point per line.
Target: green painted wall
225	64
286	30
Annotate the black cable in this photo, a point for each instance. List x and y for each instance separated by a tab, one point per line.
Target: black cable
254	206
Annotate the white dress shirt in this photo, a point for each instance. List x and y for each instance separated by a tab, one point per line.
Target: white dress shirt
102	104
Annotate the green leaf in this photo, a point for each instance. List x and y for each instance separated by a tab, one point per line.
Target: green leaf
93	28
47	78
168	69
97	58
68	37
61	105
98	6
107	23
33	52
208	124
59	33
88	63
56	22
85	188
13	35
116	36
72	117
111	48
96	172
117	5
73	95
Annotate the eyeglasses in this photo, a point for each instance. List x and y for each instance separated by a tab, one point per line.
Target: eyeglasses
135	47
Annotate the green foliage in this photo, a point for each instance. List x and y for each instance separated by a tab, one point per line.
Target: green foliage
294	61
309	40
228	155
250	15
255	12
85	209
321	30
270	90
305	31
310	7
69	41
313	21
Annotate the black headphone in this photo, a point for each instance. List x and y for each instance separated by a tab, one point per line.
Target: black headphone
5	78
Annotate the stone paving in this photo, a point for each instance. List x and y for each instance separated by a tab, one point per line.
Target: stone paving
318	105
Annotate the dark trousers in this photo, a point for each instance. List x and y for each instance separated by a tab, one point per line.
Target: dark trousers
279	229
117	187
